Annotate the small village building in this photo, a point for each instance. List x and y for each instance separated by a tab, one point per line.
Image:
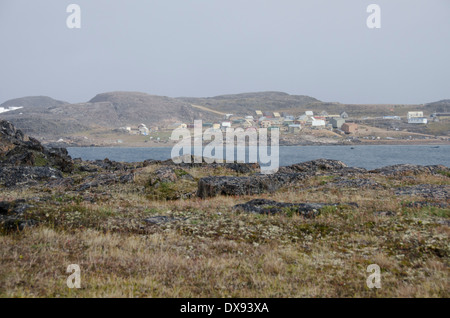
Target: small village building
226	124
344	115
416	114
248	123
289	117
276	115
309	113
265	123
417	120
349	128
303	118
258	113
288	121
277	122
317	122
324	114
143	130
293	129
216	126
337	122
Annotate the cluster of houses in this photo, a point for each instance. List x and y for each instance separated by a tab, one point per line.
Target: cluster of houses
141	129
284	122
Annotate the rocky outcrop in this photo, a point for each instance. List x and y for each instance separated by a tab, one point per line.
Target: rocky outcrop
17	149
438	192
26	175
97	180
163	175
189	161
408	169
314	166
12	215
262	206
257	184
359	183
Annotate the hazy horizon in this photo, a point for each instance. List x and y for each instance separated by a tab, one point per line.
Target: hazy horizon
202	48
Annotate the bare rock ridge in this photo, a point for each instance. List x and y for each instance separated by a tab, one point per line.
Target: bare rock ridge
24	159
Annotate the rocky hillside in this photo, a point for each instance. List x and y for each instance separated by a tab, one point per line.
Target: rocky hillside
108	110
442	106
247	103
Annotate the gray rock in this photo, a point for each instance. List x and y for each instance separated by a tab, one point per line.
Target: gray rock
262	206
157	220
439	192
163	175
235	186
405	169
26	175
12	215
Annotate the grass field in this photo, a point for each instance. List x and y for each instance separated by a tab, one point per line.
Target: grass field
213	251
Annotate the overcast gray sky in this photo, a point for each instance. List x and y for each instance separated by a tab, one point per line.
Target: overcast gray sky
320	48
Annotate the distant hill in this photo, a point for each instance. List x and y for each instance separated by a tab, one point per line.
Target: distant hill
33	101
247	103
44	117
107	110
442	106
127	108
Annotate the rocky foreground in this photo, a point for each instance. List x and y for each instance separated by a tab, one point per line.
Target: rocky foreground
156	228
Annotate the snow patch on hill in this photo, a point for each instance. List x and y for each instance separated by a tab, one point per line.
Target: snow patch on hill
8	109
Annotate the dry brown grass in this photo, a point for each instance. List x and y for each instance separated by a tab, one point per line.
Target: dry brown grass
213	251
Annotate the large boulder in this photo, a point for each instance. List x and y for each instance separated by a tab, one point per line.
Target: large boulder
255	184
314	166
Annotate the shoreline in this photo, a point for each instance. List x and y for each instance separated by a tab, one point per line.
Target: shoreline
362	143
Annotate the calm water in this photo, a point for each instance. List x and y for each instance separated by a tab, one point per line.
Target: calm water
369	157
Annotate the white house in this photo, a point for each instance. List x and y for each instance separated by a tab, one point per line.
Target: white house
344	115
309	113
318	122
143	130
226	124
417	120
416	114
